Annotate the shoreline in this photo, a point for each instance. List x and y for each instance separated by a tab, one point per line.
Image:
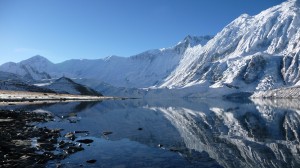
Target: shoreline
23	97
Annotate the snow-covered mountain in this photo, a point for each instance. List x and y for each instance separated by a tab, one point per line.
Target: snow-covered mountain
30	69
10	81
251	53
68	86
143	70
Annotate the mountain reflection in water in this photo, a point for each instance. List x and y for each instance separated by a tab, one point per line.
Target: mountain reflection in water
191	132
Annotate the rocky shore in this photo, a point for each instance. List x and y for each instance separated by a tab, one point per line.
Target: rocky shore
22	144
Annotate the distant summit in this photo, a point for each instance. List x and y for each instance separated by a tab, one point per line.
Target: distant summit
31	69
36	58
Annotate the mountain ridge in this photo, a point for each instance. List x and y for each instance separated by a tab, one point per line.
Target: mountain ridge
142	70
232	55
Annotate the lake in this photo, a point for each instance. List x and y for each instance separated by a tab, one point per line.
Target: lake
177	132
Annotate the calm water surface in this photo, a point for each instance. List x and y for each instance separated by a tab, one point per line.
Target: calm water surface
181	132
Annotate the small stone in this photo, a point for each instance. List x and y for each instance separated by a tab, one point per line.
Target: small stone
72	121
61	143
72	115
107	132
70	135
79	132
173	149
91	161
53	140
47	146
85	141
73	149
58	165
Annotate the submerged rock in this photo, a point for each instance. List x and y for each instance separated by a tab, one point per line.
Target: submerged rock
107	133
85	141
91	161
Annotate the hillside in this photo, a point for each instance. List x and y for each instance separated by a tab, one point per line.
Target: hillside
67	86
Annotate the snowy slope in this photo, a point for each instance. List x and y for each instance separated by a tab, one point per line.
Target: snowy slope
9	81
66	85
32	69
143	70
252	53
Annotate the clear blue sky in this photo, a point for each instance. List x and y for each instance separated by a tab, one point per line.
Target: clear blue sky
90	29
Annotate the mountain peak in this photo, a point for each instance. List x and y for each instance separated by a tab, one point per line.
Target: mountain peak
196	40
295	2
37	58
64	80
288	5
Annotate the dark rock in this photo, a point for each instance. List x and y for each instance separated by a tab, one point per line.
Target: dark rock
73	149
107	132
174	149
85	141
79	132
91	161
16	139
72	121
47	146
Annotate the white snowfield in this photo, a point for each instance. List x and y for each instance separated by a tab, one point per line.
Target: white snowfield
252	53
